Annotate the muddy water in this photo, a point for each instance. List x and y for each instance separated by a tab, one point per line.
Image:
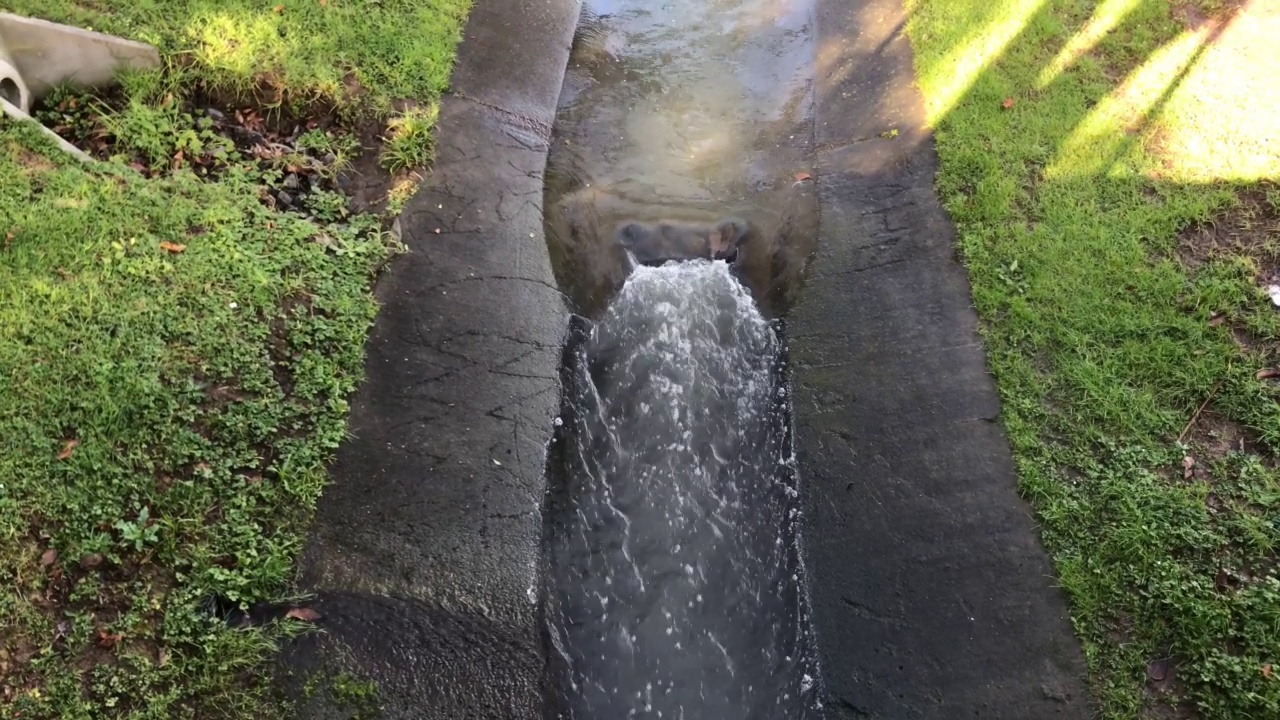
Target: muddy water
674	584
687	110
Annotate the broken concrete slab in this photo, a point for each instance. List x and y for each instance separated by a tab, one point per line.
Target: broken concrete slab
47	54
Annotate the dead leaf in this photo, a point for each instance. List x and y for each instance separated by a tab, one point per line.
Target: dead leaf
1267	672
91	561
278	9
174	248
303	614
48	557
108	640
67	448
802	176
1265	373
1217	319
1188	465
162	657
324	2
9	236
1008	103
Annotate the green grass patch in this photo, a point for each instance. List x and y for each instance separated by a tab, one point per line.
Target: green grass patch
346	52
180	327
409	140
1111	321
175	360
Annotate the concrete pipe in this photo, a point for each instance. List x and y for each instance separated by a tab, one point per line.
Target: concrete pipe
12	88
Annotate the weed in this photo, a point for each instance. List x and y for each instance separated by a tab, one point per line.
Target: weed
408	141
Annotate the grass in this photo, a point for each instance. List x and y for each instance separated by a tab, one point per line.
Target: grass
1119	220
177	343
362	58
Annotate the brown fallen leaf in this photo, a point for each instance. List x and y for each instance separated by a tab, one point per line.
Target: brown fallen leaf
48	557
91	561
1008	103
324	2
108	640
1217	319
303	614
67	448
1267	672
278	9
1265	373
9	237
802	176
1188	465
174	248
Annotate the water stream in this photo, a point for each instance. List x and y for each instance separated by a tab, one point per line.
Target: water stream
674	584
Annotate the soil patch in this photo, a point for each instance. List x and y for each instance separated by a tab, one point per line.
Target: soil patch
1249	229
307	156
1196	14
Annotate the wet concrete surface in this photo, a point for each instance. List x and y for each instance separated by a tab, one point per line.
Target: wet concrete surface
932	595
424	548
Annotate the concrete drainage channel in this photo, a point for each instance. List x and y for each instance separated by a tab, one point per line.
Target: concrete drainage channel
839	538
888	570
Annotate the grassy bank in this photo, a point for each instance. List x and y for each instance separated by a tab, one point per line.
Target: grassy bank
177	340
1111	169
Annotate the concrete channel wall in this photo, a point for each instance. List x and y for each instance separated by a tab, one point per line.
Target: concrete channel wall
932	595
425	547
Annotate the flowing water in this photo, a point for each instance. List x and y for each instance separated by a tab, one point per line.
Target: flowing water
674	584
677	587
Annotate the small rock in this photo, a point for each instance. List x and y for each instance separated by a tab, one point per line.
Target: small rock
286	200
215	114
329	159
290	181
91	561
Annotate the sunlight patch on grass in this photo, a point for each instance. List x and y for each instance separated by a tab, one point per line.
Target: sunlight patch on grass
392	50
953	75
1223	121
1105	18
1098	141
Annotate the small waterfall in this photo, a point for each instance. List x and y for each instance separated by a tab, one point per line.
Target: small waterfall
674	585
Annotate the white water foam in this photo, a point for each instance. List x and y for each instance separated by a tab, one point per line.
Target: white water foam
676	586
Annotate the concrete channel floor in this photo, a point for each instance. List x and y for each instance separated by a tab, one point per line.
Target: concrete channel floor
932	597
